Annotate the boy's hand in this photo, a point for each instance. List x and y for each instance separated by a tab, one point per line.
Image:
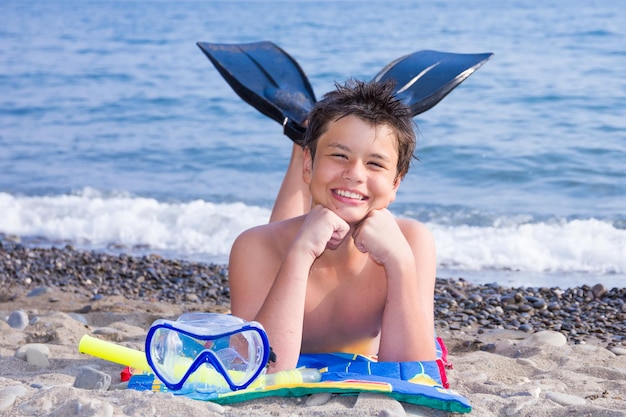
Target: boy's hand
322	229
380	236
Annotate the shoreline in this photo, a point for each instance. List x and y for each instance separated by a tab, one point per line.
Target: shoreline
579	312
515	351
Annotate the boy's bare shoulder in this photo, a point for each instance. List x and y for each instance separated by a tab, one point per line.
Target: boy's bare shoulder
414	229
269	236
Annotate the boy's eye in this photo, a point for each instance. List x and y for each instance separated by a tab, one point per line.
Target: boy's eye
376	164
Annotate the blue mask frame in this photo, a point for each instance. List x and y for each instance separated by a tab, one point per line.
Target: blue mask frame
202	355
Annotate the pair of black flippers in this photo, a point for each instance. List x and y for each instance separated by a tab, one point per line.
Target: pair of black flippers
270	80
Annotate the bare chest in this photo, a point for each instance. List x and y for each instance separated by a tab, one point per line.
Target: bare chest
343	310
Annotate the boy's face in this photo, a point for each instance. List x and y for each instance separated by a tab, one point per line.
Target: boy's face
355	168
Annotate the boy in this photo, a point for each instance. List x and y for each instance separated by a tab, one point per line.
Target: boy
343	275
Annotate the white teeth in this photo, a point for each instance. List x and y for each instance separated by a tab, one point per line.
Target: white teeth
348	194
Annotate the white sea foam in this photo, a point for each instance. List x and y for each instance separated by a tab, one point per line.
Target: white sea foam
204	230
589	246
91	219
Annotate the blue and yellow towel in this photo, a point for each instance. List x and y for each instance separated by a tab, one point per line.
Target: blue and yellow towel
420	383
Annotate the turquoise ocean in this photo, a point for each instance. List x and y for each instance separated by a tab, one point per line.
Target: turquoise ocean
117	134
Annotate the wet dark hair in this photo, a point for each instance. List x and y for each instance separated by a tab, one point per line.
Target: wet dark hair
372	102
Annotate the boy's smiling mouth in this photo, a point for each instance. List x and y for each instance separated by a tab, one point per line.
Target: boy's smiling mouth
350	194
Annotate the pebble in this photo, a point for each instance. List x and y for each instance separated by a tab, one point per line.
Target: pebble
105	331
37	407
9	394
6	400
215	408
35	353
618	351
553	316
98	275
86	407
38	291
18	390
18	319
90	378
317	399
472	376
565	399
79	318
578	313
37	357
391	413
527	362
598	290
548	338
518	404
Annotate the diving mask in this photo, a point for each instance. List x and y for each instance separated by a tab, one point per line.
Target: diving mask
207	351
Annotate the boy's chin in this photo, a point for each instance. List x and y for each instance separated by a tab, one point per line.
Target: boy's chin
352	218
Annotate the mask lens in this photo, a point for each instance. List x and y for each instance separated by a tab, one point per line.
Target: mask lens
231	360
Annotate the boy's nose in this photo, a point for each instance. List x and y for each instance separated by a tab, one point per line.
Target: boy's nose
355	171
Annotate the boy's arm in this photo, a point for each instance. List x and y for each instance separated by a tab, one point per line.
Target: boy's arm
294	198
251	268
271	289
270	292
407	253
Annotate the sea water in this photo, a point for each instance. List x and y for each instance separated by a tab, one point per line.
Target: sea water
117	134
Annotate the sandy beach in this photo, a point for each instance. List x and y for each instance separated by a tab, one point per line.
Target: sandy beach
537	359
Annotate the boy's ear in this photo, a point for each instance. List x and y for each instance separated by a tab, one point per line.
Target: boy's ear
307	166
394	188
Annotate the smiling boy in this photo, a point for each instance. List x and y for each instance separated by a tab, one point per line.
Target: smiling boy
343	275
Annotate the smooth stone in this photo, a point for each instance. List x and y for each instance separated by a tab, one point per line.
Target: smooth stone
598	290
535	391
391	413
18	319
215	408
89	378
18	390
38	291
36	356
318	399
503	346
191	297
565	399
89	407
79	318
37	407
105	331
548	337
618	351
22	351
589	348
519	405
119	386
554	306
526	362
6	400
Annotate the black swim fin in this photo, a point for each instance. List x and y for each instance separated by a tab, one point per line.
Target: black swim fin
424	78
270	80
